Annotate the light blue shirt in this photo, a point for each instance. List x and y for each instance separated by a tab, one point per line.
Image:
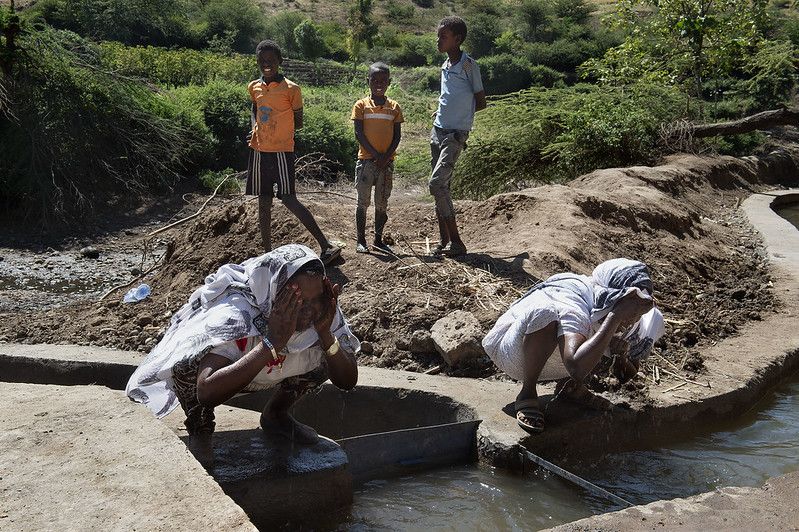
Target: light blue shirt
459	83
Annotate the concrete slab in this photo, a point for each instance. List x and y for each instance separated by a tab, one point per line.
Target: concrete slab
85	457
774	506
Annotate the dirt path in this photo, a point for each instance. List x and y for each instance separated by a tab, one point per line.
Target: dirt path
682	219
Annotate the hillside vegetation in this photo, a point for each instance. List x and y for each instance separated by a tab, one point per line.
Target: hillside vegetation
110	100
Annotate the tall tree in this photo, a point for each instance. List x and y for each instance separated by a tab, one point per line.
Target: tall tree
362	28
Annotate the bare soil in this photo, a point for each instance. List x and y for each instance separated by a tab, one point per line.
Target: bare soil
682	219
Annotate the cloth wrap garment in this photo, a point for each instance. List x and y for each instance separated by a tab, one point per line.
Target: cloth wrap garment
235	302
577	303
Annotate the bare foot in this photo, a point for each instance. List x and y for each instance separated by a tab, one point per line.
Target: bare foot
285	425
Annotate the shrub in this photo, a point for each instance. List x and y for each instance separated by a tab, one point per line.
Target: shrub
77	136
280	28
309	41
543	76
335	37
240	18
211	180
399	13
323	131
423	3
224	108
177	67
417	50
483	31
557	134
505	73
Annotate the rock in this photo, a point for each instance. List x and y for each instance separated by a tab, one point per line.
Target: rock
135	271
90	252
421	342
457	337
144	321
402	344
367	348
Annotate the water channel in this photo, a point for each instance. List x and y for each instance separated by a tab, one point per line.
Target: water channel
790	212
761	443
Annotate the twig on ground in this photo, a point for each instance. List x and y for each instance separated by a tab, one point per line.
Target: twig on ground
675	387
435	370
196	214
138	278
707	385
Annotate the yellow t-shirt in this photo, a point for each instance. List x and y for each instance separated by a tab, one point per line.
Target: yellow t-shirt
275	103
378	123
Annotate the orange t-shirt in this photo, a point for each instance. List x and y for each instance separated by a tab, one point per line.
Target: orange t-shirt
275	103
378	123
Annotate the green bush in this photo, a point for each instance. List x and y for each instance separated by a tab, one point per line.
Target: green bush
483	31
224	108
242	19
186	23
416	50
77	136
309	41
177	67
505	73
280	28
399	13
324	131
545	135
543	76
211	180
424	3
335	37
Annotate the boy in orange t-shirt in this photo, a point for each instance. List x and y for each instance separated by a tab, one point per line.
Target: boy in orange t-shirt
377	122
276	114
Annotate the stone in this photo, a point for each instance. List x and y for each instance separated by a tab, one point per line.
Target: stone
402	344
90	252
457	337
421	342
367	348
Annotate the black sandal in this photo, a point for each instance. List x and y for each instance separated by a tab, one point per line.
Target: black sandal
529	416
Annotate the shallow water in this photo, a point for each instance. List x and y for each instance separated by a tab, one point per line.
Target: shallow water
790	213
762	443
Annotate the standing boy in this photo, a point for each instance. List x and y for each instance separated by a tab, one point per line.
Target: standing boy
377	122
276	114
462	95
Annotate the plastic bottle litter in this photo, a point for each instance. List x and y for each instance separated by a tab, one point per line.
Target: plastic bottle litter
137	294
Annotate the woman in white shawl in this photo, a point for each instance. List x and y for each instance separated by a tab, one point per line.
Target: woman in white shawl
271	320
582	317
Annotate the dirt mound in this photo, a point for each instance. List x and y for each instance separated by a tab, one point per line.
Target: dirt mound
681	219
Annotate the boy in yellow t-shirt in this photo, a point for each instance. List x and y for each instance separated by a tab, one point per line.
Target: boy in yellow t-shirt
276	114
377	122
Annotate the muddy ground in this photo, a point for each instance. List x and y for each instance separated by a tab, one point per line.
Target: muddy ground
682	219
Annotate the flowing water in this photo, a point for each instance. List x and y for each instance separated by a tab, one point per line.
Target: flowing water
790	213
762	443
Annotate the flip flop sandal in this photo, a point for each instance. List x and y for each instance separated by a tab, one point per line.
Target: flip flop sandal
330	254
362	248
529	416
382	246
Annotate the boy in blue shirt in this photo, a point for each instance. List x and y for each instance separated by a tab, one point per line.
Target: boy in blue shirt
462	95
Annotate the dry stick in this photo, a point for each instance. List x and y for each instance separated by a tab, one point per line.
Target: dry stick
196	214
688	380
675	387
435	370
669	362
327	192
125	285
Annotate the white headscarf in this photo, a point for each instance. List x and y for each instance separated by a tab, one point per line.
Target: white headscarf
614	279
235	302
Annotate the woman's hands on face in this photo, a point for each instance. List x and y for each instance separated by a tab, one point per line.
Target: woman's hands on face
330	293
283	318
